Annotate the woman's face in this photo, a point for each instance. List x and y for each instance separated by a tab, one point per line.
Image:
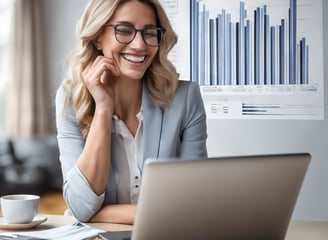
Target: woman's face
133	58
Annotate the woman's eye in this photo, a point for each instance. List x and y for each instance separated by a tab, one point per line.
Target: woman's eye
150	33
124	30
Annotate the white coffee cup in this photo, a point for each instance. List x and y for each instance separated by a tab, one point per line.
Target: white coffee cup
19	208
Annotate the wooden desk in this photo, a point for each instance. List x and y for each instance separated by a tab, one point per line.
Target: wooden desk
305	230
298	230
60	220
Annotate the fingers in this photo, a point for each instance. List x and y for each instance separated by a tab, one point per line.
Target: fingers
100	70
104	76
98	78
109	65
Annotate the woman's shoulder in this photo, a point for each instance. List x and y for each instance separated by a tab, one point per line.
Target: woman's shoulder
63	104
187	103
63	95
187	94
187	83
60	93
188	88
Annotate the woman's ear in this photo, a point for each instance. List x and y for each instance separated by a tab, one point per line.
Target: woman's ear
97	45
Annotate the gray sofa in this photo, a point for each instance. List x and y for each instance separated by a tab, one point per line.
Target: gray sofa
29	165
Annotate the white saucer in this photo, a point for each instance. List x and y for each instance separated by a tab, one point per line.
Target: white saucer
37	220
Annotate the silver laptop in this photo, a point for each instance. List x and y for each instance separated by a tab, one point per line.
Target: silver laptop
244	197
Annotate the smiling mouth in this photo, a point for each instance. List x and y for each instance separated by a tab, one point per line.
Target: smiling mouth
133	58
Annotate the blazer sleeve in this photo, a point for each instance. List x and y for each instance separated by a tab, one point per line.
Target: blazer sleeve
194	135
78	194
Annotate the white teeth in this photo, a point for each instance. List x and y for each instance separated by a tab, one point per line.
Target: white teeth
133	58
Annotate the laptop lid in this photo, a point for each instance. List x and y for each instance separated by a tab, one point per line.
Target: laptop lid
244	197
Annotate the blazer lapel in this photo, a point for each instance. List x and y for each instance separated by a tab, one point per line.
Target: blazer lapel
152	126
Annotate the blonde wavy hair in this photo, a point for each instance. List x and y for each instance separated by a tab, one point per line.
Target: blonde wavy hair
161	78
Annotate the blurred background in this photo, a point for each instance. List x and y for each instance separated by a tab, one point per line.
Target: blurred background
35	38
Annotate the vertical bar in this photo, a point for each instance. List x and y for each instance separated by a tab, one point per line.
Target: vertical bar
233	53
225	47
266	47
277	55
202	53
273	55
217	43
228	52
292	41
220	50
237	55
307	65
206	48
257	46
282	52
261	46
298	64
248	53
212	53
241	43
194	32
303	60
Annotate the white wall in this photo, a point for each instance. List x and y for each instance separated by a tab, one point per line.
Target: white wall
60	23
226	137
61	17
231	137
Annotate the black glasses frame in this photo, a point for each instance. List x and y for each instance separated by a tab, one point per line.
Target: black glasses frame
142	31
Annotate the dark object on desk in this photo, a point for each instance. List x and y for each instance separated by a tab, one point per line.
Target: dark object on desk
121	235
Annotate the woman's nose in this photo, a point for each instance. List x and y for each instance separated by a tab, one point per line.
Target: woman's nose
138	41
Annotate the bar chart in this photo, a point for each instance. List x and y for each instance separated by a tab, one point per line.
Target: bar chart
253	59
249	51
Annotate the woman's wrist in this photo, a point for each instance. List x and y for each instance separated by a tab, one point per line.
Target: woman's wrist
104	110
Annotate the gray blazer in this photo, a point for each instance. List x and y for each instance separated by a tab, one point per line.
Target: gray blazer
177	132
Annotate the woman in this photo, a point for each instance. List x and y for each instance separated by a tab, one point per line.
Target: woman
122	104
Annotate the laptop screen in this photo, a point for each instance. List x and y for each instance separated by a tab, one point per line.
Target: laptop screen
243	197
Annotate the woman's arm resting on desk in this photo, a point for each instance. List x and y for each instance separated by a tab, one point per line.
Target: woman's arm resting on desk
117	213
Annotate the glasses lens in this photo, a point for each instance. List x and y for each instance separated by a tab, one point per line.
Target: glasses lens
152	36
124	33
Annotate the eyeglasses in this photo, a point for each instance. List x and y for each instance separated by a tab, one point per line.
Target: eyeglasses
124	33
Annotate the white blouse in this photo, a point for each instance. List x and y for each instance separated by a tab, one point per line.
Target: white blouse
127	152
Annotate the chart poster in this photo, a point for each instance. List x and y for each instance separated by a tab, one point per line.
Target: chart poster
252	59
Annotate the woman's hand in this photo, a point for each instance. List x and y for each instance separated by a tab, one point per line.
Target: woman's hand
98	78
94	162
